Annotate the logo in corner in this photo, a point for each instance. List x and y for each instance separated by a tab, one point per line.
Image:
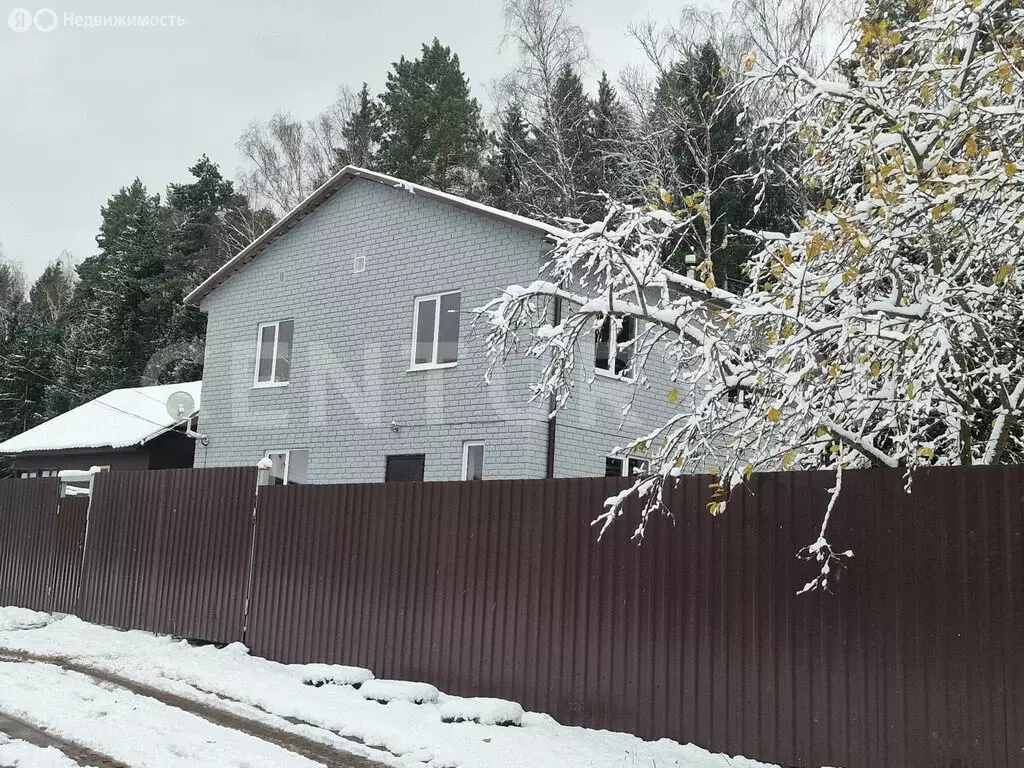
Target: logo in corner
45	20
20	19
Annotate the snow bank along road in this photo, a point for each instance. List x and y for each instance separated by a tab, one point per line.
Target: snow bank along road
73	693
114	691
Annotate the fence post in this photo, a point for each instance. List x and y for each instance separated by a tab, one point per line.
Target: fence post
252	554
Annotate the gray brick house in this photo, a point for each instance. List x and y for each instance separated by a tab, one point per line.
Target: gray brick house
340	346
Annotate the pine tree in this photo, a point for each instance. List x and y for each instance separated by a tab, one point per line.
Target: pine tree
119	317
561	165
503	173
709	163
565	155
29	363
12	317
196	213
361	133
82	365
610	130
432	132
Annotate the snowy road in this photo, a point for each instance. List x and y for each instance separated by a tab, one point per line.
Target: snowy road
20	741
73	693
51	708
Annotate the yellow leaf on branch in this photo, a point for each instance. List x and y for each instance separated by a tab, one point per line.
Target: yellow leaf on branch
773	415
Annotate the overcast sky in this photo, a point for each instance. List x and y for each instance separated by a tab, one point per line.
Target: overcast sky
85	111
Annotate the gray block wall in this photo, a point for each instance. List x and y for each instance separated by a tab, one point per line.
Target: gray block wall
593	422
350	376
352	344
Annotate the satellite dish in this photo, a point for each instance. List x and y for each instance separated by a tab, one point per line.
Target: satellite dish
180	406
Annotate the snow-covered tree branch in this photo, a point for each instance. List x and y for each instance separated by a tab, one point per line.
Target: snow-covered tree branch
886	330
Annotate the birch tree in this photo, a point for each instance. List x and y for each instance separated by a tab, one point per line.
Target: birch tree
286	158
887	330
558	164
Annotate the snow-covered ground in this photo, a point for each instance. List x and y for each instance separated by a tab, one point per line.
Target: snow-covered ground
141	731
14	752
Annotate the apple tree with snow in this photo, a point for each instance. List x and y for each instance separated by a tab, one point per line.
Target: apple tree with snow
887	329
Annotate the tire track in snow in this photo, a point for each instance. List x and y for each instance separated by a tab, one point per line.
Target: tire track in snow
39	737
317	751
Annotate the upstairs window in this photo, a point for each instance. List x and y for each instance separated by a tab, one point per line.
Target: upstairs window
614	346
274	353
435	331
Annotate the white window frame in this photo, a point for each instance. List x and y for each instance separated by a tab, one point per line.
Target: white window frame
287	461
276	325
466	445
640	463
433	364
613	346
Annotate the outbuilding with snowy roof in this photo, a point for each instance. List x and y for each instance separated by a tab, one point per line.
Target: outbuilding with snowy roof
124	429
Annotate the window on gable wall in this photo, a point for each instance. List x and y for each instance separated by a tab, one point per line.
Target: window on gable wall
274	353
436	330
613	350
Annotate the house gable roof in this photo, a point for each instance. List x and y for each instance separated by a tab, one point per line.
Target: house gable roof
334	184
123	418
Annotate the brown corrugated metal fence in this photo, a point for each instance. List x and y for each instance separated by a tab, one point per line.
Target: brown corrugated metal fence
68	551
41	544
168	551
27	514
501	588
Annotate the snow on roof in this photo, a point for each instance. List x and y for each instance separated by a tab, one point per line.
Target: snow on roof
119	419
335	183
